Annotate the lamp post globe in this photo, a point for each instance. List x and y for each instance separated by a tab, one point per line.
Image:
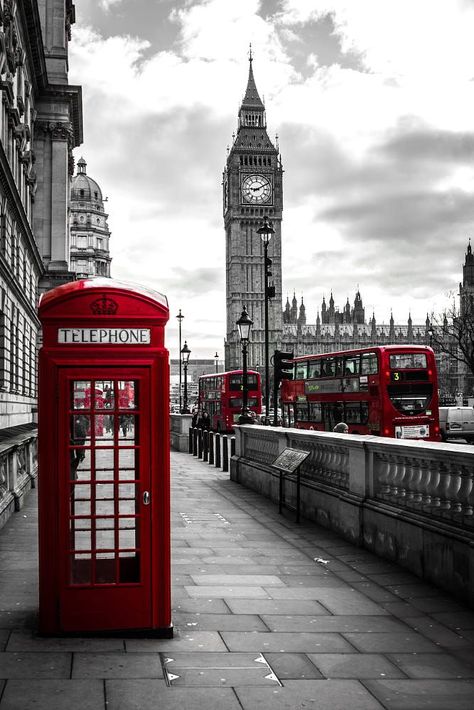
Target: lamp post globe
244	325
185	353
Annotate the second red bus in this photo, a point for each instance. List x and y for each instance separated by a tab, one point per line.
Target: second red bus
221	395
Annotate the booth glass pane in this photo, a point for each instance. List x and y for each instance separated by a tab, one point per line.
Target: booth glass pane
78	394
105	538
127	394
127	461
97	396
127	429
108	392
104	429
81	569
104	464
129	567
105	568
127	533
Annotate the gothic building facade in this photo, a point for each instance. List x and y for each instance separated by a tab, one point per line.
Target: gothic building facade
90	234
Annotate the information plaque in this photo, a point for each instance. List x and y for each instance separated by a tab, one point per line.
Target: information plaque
290	459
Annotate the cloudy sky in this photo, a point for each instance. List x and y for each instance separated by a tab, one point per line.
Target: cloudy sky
373	103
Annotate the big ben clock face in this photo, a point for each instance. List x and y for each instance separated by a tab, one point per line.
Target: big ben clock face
256	189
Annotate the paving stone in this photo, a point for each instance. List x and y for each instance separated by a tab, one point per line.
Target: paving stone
27	641
391	642
309	581
218	670
402	610
220	592
116	665
34	665
338	601
414	591
423	694
292	665
431	665
436	604
29	694
197	641
375	592
203	606
457	621
238	579
306	694
219	622
438	632
288	642
275	606
155	695
355	665
340	624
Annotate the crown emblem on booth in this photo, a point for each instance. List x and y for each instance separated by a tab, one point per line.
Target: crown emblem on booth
104	306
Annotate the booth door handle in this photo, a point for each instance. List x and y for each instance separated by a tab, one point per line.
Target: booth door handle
146	498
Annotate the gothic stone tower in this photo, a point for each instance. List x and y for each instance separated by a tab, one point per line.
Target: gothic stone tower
252	189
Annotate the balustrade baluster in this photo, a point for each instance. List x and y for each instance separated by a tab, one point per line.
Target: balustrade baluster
444	481
465	490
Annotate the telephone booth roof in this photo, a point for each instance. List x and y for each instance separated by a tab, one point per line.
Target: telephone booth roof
134	298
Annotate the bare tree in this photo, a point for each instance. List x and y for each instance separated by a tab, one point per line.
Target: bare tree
452	333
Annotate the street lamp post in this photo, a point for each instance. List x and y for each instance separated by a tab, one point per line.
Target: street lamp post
180	318
266	231
244	325
216	357
185	353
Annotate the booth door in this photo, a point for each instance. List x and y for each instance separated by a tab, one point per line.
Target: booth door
105	500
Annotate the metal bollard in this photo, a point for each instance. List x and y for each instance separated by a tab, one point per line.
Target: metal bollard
232	445
217	447
205	445
191	437
199	443
211	448
225	454
195	441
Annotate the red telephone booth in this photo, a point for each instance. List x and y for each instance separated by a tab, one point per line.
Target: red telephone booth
103	484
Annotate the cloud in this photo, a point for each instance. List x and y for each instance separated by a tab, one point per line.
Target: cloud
374	111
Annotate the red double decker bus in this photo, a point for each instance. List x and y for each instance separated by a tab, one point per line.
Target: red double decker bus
386	391
221	396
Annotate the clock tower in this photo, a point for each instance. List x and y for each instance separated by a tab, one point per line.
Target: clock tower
252	190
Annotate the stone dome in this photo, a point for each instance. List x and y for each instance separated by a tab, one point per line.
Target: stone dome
84	188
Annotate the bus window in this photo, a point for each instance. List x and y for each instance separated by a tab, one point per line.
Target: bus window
251	382
328	367
301	370
339	366
314	369
235	383
405	361
315	414
356	412
301	412
369	364
351	365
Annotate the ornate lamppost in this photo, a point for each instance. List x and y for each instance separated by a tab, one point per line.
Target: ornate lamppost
180	318
266	231
216	358
185	353
244	325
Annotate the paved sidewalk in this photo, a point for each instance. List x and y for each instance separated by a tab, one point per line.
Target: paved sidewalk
267	614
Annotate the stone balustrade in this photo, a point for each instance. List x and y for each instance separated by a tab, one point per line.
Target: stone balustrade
409	501
18	468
